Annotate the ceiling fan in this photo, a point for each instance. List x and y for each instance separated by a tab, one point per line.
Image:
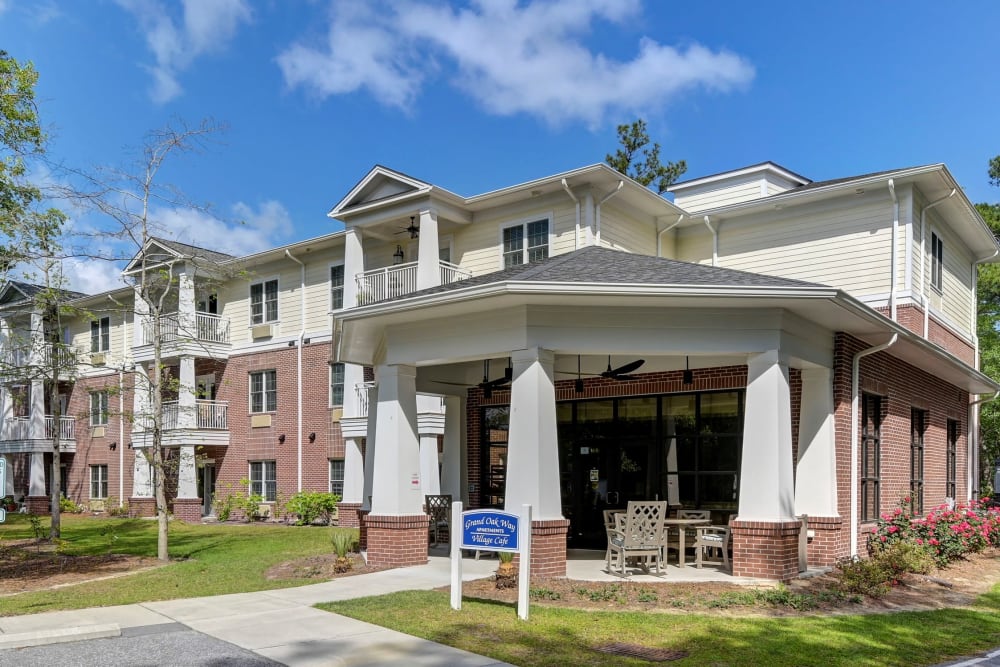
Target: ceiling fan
413	230
488	385
619	373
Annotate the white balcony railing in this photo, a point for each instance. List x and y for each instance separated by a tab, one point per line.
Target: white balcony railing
210	415
19	428
392	281
362	389
207	328
21	357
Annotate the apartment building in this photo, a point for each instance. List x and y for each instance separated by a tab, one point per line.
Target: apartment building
763	346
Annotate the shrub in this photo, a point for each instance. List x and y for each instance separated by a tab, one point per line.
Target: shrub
867	577
67	505
344	541
506	576
308	506
949	533
888	563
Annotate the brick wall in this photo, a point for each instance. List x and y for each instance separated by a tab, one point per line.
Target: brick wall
902	387
396	541
766	550
912	317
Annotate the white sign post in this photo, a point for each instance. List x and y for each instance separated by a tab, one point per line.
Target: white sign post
3	486
491	530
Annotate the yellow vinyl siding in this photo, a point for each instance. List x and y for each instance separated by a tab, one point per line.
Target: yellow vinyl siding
734	192
622	232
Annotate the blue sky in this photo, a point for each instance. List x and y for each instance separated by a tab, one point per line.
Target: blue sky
474	96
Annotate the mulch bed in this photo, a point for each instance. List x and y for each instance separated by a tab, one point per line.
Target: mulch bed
319	568
28	565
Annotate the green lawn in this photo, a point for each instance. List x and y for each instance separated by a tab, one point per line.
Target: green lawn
212	559
555	636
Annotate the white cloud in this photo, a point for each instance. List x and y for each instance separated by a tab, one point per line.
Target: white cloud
257	230
509	57
206	26
91	277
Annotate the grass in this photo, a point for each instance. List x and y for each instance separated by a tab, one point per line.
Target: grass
555	636
212	559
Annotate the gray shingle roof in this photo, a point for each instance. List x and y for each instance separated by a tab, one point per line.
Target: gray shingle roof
193	251
604	265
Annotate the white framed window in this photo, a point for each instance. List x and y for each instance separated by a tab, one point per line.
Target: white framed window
937	262
99	481
263	480
525	242
264	301
100	335
337	286
99	408
336	384
337	477
264	391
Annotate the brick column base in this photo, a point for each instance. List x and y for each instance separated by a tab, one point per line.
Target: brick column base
347	515
829	543
548	548
142	507
765	549
38	504
363	529
396	541
187	510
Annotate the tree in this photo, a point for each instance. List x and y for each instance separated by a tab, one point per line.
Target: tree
640	160
988	330
128	200
994	171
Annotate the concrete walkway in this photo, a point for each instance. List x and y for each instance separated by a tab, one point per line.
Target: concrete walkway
278	624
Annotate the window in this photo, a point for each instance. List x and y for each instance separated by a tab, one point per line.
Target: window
99	481
264	302
525	243
99	408
337	477
264	391
950	486
263	480
336	384
337	287
937	262
871	454
918	426
100	335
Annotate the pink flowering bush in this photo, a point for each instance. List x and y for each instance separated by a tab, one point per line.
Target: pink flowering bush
947	533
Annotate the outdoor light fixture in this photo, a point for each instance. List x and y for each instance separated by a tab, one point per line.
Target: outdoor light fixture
688	374
312	437
113	446
281	439
130	445
397	257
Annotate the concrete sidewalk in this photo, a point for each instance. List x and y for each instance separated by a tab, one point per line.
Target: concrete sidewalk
278	624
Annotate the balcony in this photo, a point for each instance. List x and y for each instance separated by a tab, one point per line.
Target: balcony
393	281
199	334
356	426
16	358
18	436
211	425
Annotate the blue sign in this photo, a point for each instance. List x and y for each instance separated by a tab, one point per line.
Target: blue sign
490	530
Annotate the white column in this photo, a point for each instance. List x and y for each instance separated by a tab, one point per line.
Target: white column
140	398
36	413
453	466
533	449
373	393
187	473
428	264
396	482
354	263
354	471
186	302
141	319
7	483
142	484
430	425
186	412
816	474
766	488
36	475
354	375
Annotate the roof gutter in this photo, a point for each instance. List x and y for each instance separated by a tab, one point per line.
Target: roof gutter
892	250
659	236
576	236
600	203
855	387
715	240
298	373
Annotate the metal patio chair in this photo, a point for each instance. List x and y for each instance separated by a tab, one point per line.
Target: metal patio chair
439	511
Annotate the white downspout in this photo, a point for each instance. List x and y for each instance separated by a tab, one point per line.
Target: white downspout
600	203
715	240
298	374
855	387
892	250
576	236
121	408
659	236
973	442
924	303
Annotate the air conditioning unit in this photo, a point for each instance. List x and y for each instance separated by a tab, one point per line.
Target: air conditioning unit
261	331
98	358
336	414
260	421
98	432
